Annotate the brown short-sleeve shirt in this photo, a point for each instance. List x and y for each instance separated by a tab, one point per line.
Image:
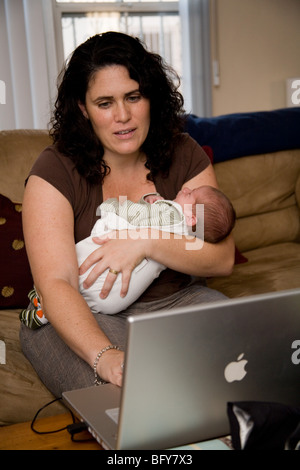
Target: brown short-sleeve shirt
188	161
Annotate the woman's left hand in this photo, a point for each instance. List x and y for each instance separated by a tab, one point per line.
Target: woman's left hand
120	251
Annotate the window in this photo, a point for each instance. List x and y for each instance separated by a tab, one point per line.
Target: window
177	30
156	23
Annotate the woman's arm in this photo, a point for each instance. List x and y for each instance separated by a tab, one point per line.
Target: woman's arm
124	251
48	223
209	259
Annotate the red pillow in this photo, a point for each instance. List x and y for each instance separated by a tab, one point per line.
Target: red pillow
239	258
209	151
15	276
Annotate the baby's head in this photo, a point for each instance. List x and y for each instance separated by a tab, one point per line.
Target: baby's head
219	214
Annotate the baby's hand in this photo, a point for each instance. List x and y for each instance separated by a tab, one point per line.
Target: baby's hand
151	198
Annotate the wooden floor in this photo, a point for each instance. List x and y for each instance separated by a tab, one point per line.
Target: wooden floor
21	437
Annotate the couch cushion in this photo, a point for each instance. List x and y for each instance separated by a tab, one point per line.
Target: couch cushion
241	134
18	151
21	391
262	189
15	276
267	229
269	269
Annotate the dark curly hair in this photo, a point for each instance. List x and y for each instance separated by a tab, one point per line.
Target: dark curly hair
73	134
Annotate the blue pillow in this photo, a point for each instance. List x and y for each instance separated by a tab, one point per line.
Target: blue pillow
241	134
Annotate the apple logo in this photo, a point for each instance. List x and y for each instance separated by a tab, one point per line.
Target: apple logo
236	370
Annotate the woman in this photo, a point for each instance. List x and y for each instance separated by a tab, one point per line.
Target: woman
117	133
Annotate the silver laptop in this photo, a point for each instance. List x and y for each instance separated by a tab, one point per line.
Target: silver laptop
182	366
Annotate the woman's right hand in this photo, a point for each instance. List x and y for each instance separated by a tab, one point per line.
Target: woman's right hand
110	366
120	251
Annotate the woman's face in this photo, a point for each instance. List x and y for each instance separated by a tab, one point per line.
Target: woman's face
119	114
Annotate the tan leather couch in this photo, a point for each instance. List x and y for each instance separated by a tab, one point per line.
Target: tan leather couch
21	391
265	191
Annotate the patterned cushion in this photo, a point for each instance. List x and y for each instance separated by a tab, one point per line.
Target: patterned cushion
15	276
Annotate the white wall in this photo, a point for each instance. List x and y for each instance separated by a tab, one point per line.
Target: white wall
258	43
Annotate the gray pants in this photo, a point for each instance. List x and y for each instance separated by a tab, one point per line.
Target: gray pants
61	369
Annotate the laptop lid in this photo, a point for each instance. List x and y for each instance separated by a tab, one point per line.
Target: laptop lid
182	366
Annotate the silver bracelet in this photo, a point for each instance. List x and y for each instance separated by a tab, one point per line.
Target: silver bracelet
96	381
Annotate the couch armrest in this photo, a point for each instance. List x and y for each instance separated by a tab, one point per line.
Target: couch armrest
18	150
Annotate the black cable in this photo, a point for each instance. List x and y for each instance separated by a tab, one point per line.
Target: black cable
74	428
77	428
48	432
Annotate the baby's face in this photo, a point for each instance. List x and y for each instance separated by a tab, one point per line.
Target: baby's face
188	198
